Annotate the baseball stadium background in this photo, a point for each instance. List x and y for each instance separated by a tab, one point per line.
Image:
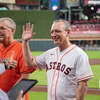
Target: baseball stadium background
84	17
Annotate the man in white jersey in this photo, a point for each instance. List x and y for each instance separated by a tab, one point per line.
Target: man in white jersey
67	66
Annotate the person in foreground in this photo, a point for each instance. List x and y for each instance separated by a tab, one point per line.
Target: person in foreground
9	64
9	44
67	66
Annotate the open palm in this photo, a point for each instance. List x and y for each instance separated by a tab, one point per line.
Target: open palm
27	34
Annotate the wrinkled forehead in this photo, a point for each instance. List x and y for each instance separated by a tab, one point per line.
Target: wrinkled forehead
57	25
3	22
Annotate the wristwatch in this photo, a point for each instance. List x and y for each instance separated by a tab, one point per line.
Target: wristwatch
6	66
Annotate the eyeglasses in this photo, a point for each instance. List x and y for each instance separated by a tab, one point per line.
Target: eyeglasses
4	28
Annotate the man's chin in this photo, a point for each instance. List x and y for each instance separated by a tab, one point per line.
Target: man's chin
56	43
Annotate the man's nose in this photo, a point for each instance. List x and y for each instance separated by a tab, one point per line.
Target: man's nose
54	33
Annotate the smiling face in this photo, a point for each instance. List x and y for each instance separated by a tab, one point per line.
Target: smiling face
58	34
5	32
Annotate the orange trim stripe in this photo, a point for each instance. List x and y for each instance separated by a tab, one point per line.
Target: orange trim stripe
67	52
84	77
53	74
57	53
37	63
56	85
52	83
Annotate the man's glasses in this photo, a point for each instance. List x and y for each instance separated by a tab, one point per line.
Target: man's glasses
4	28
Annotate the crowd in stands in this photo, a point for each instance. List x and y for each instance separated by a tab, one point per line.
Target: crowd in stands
85	27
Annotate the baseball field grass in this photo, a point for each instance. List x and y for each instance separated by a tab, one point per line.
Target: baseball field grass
43	96
42	78
91	54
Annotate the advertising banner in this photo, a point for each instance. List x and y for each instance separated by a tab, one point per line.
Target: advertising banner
93	2
85	32
27	1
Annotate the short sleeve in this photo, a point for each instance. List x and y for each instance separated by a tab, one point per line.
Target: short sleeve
40	61
23	69
83	69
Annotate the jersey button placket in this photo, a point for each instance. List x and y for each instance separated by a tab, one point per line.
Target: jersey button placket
54	83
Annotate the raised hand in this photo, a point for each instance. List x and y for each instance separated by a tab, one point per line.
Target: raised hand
10	62
27	34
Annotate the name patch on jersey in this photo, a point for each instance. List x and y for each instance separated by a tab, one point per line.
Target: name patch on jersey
60	67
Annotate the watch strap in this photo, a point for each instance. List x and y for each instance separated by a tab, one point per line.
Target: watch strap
6	66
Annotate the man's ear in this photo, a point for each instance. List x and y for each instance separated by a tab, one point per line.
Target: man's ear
13	30
68	33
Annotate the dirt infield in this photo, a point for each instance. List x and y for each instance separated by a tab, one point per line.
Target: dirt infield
91	91
94	61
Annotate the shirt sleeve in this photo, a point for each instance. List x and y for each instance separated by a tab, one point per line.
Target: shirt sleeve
83	69
3	95
40	61
2	69
23	69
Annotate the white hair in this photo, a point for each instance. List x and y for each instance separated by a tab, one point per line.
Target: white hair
10	24
66	24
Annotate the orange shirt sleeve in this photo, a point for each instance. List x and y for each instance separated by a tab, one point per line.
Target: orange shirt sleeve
23	69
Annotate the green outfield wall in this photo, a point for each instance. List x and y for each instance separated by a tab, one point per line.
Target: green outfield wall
42	21
40	45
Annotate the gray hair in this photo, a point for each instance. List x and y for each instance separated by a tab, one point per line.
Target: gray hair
10	24
66	24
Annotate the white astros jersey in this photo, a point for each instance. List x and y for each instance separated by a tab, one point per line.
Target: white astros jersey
64	70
